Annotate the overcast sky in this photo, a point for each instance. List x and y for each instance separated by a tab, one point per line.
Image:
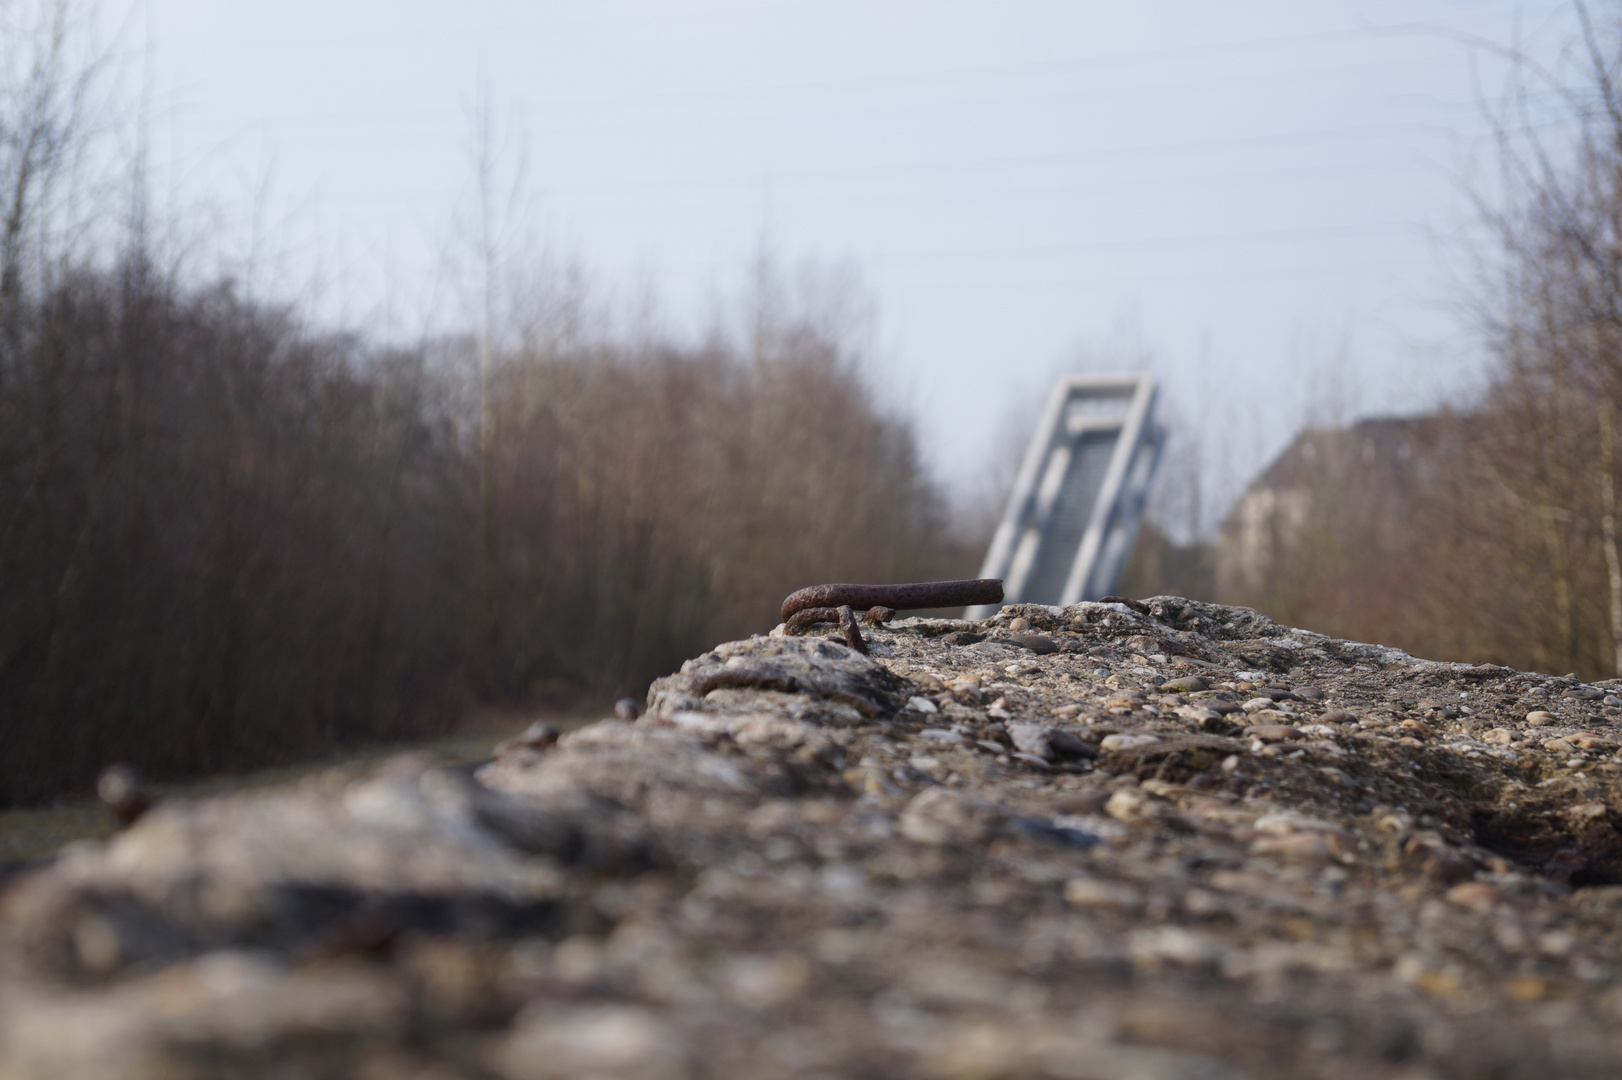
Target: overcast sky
1257	193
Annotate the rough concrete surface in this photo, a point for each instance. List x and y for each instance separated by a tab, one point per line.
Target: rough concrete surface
1092	842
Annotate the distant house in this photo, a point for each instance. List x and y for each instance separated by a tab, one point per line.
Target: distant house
1328	488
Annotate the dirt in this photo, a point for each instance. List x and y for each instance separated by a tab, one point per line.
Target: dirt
1168	840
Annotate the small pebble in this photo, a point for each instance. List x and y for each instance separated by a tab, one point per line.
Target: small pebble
1127	742
1478	896
120	789
1128	805
1067	744
1040	644
1033	739
1303	847
1448	868
1289	822
1083	803
1093	893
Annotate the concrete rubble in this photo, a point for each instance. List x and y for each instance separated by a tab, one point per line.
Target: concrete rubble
1176	843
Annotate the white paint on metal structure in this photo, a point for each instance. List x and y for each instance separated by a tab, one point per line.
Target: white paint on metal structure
1078	500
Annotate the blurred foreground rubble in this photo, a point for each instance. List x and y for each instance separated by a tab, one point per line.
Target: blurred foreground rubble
1089	842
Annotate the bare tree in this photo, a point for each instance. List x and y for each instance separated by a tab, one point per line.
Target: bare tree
1510	547
51	73
228	537
1554	316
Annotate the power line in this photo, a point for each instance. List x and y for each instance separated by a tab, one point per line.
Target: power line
947	75
958	165
1102	246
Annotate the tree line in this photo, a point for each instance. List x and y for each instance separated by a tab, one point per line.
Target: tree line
227	538
230	536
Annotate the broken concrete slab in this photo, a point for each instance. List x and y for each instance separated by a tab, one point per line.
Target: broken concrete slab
937	860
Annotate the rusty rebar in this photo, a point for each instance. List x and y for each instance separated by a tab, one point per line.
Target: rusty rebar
853	633
806	618
923	594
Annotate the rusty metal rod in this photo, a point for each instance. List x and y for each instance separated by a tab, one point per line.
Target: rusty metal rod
923	594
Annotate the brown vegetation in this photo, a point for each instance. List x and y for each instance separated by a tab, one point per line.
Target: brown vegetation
1496	538
228	538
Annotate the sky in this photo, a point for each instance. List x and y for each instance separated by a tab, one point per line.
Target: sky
1261	201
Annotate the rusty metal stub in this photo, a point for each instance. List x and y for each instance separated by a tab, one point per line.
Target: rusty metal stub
853	632
923	594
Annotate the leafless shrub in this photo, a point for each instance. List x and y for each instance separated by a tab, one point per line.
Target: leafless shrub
652	499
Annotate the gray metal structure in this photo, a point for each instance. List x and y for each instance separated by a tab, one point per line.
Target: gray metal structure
1078	501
